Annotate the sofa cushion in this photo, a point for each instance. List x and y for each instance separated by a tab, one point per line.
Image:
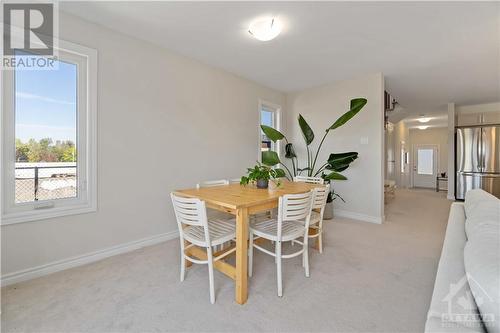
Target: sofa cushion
482	264
475	229
451	297
482	211
481	205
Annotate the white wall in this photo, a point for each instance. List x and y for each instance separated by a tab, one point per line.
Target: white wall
437	136
164	122
321	106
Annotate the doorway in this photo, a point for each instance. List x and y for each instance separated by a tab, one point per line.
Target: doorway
425	165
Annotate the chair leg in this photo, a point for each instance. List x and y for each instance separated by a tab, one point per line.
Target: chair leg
183	260
320	241
305	259
278	268
275	248
250	254
211	274
183	266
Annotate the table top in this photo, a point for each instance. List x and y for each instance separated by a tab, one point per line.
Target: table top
236	196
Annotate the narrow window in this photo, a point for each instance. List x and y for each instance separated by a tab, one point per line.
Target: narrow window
49	130
269	116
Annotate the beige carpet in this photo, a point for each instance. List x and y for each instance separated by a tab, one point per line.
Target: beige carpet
370	278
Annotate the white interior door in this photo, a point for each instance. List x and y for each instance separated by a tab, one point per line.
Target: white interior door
425	165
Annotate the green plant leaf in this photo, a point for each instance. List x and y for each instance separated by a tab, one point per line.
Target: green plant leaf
261	172
289	151
244	180
334	176
279	173
356	105
270	158
272	133
338	162
307	132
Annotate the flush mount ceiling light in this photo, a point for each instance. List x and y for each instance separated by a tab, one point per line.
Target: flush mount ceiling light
423	119
423	127
265	29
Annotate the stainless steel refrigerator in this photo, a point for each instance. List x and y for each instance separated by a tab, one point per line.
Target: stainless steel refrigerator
477	159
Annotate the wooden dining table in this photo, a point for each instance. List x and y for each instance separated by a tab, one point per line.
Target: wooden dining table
241	201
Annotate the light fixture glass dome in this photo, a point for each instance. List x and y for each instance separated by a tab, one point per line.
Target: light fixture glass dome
265	29
423	127
424	120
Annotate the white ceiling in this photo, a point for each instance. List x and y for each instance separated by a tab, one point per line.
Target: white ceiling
430	53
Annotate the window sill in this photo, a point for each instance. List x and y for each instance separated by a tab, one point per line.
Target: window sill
35	215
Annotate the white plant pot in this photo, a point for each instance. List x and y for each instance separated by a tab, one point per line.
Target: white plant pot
328	214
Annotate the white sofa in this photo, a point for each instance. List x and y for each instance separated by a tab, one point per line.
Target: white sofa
466	294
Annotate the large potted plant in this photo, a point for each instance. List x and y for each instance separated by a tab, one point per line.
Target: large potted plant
330	169
332	196
261	174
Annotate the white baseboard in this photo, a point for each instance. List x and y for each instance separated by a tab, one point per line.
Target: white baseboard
56	266
357	216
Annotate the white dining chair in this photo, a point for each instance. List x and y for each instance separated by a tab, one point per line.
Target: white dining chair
294	214
310	180
318	209
211	183
195	228
212	213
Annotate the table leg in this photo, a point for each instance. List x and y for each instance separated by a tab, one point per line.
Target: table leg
241	255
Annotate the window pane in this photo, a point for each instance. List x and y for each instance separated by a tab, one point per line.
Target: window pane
266	118
425	162
46	133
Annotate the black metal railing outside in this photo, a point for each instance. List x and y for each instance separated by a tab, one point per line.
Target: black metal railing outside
56	184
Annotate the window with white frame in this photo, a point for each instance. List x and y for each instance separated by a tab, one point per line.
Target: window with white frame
269	116
49	137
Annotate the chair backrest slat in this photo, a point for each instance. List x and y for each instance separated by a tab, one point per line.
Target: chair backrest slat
190	211
310	180
295	206
321	194
211	183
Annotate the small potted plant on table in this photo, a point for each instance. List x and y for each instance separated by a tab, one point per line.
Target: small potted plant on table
261	174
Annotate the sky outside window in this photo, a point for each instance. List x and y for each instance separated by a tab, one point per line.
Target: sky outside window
46	103
266	118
